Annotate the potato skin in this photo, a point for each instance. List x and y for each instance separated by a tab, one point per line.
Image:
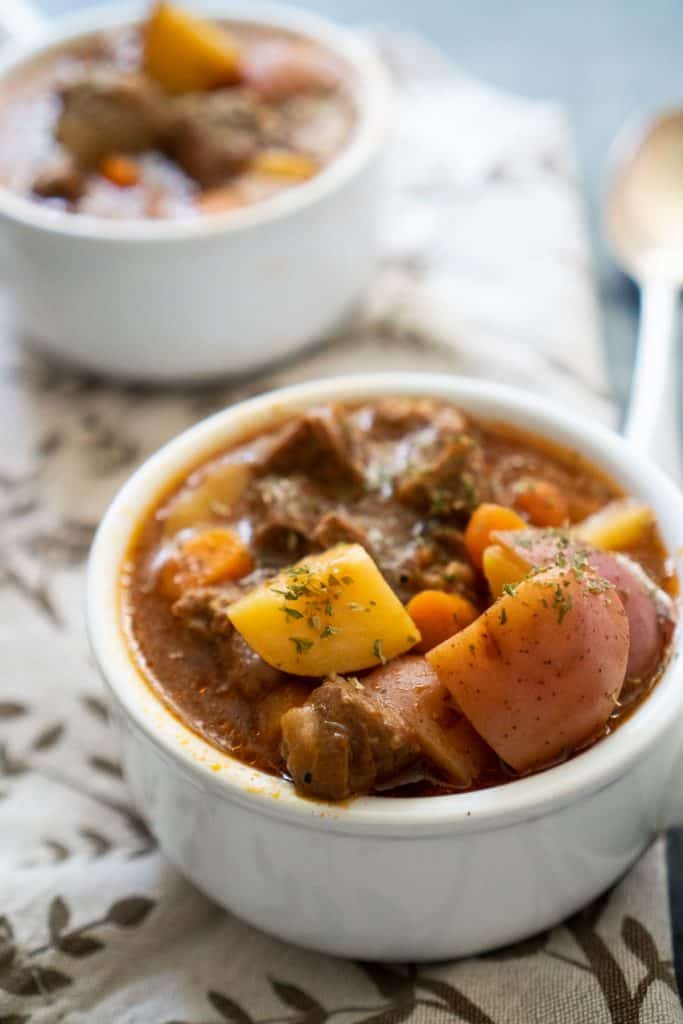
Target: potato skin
648	608
538	674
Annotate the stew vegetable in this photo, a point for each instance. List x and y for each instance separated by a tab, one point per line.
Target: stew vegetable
174	118
390	597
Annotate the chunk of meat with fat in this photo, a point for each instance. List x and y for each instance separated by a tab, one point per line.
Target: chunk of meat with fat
449	482
205	609
339	528
214	135
398	416
313	443
245	670
60	179
110	111
342	742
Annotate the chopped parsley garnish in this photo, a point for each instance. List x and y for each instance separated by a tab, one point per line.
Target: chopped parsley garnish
329	631
503	617
378	652
510	589
301	643
292	613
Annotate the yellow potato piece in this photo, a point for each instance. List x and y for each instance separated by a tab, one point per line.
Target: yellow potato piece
332	612
617	526
281	163
501	567
209	500
186	54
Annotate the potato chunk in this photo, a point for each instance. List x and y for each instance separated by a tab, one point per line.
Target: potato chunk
411	687
501	566
539	673
329	613
617	526
186	54
208	500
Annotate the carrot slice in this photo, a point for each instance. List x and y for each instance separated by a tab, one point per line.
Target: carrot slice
542	502
212	556
438	616
485	519
120	170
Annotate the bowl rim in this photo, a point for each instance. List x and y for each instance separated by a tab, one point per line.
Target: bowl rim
370	77
231	780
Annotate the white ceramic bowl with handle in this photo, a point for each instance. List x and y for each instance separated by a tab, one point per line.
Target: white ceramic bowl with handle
186	300
392	878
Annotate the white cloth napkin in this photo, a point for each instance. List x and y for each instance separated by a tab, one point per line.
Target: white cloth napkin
486	271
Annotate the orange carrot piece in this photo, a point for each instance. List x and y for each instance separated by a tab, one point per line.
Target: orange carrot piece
484	520
120	170
438	616
212	556
542	502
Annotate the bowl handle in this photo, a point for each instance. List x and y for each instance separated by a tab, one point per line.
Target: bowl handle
20	21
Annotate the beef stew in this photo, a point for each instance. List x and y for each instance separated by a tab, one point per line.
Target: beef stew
175	118
393	598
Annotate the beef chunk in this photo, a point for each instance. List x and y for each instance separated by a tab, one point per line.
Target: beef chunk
343	742
398	416
450	482
60	179
245	670
110	111
214	135
205	609
338	528
314	444
286	509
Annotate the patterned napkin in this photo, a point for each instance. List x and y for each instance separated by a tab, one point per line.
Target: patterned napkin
485	272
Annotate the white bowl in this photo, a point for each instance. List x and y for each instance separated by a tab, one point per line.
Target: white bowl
222	294
392	878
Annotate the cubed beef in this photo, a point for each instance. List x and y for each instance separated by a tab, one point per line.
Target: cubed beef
398	416
338	528
341	741
110	111
245	670
60	179
285	511
205	609
314	444
450	482
214	135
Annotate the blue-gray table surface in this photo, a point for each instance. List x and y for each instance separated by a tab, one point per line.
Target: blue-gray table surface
603	61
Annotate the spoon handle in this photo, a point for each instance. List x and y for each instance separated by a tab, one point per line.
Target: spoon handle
652	418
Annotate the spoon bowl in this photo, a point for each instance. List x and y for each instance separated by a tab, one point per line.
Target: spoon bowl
644	212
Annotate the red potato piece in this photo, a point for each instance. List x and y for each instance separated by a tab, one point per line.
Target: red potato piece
411	687
539	673
278	69
649	609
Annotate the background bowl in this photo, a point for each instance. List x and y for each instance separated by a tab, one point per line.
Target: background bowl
221	294
392	878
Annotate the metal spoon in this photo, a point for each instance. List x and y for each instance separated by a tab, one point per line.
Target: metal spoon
644	222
